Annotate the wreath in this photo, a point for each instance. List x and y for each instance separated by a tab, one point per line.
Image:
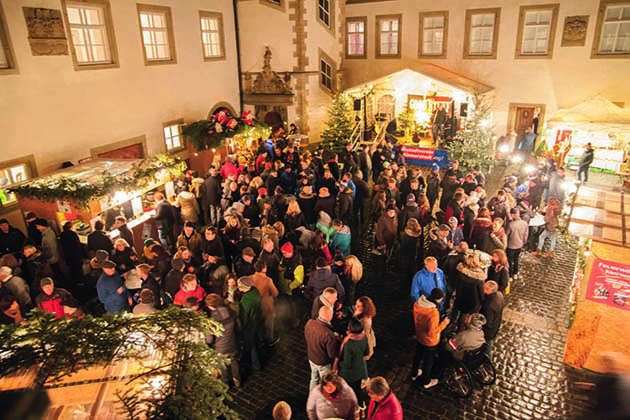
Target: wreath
211	134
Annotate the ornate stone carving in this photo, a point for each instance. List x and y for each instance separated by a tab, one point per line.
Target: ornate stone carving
46	34
268	82
574	31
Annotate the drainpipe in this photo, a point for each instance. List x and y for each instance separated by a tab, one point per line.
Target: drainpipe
238	56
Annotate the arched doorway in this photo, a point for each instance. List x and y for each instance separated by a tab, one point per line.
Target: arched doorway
273	119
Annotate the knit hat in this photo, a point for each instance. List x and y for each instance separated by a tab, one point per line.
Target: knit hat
435	167
46	281
2	221
249	252
288	247
262	191
411	198
177	264
323	192
436	294
444	228
245	282
41	222
338	257
101	255
452	220
477	320
30	215
108	264
149	242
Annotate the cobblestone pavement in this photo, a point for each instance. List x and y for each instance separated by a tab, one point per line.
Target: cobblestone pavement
532	382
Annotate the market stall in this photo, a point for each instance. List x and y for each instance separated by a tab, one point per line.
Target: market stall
600	298
597	121
101	190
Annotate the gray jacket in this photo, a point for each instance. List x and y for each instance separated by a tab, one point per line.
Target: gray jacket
517	231
18	288
225	343
318	407
49	246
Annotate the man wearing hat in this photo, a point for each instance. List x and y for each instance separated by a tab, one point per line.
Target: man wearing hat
34	235
469	339
517	232
244	266
11	239
51	298
456	236
17	287
439	247
249	315
433	185
111	289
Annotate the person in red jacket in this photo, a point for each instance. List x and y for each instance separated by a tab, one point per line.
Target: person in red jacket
383	403
51	297
189	287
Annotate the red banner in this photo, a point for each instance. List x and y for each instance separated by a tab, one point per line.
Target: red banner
609	284
418	153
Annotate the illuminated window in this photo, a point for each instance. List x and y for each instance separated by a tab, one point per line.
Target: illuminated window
212	35
388	36
615	34
11	173
173	135
156	27
355	39
433	27
480	38
536	34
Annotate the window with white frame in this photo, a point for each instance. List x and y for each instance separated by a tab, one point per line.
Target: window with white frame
173	136
433	35
615	32
325	70
388	36
89	34
324	11
212	35
536	31
10	176
481	34
355	43
156	30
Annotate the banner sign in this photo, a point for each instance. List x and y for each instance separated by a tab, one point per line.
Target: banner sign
421	103
609	284
423	156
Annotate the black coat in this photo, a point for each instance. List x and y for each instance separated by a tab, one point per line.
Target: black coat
469	289
492	309
164	217
212	187
12	241
327	205
500	276
73	249
99	240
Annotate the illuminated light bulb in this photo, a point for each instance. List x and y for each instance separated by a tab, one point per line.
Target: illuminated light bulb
503	148
587	253
530	168
517	159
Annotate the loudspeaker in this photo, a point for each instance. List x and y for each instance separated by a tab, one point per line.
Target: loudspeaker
357	105
463	110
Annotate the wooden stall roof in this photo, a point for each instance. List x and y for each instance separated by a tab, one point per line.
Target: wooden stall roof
90	172
601	213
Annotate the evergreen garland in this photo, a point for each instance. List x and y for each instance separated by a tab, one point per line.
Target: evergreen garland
340	124
188	369
139	176
473	145
211	134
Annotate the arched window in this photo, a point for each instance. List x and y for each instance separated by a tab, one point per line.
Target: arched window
386	107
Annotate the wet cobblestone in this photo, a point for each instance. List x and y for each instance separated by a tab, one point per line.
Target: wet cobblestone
532	382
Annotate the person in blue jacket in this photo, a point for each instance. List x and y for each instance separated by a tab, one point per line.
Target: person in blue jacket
111	289
427	279
342	237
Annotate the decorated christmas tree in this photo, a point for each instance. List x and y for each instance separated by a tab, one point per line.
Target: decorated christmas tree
473	145
340	124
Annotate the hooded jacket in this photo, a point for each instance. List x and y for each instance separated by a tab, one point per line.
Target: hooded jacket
386	230
388	409
469	293
587	158
341	240
323	278
427	321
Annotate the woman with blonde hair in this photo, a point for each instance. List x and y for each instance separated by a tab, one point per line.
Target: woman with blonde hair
352	273
294	217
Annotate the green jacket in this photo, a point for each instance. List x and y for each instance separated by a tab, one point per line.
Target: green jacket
249	310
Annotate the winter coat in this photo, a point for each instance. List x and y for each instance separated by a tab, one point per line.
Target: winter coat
587	158
424	281
294	221
469	339
386	230
307	205
323	278
324	223
52	303
449	184
322	345
12	241
500	275
517	232
189	206
273	262
99	240
492	309
212	194
182	295
194	243
410	248
433	185
345	202
426	318
327	205
107	289
267	292
292	274
341	241
388	409
73	249
501	209
410	211
351	362
318	407
173	281
492	240
469	289
479	227
123	259
454	210
226	342
438	247
18	288
50	253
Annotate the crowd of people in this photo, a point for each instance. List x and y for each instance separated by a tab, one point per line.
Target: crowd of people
270	241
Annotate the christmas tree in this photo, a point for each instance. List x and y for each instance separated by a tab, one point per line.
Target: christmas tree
340	124
473	145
